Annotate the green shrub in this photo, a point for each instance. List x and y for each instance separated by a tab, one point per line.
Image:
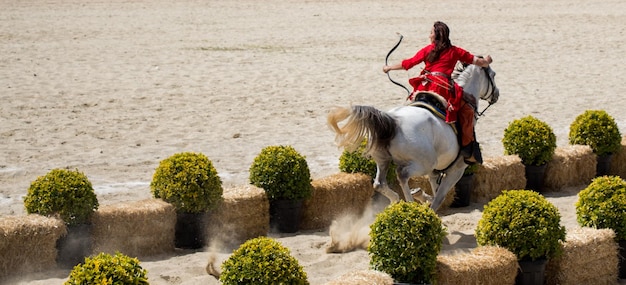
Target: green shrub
524	222
282	172
68	194
471	169
531	139
260	261
405	240
596	129
603	205
188	181
356	162
105	269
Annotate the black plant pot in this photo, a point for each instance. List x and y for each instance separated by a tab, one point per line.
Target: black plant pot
534	176
190	230
604	164
285	215
463	191
622	259
531	272
75	246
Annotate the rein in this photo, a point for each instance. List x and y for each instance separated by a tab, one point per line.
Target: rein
386	63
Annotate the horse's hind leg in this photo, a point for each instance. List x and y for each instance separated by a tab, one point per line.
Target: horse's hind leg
380	182
403	178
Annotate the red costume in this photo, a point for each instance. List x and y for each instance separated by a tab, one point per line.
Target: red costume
436	75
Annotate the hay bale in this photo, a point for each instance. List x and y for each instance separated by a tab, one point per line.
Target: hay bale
424	183
497	174
484	265
336	195
361	277
571	165
28	244
137	228
618	162
590	256
242	215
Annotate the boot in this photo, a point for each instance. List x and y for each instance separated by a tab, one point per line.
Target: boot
471	153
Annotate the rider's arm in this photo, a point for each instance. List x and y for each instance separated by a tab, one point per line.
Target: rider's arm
482	62
397	66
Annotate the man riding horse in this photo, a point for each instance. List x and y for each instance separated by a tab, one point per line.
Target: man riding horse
440	58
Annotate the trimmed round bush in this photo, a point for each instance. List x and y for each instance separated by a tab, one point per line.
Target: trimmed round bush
405	240
597	129
188	181
108	269
64	193
524	222
261	261
603	205
282	172
531	139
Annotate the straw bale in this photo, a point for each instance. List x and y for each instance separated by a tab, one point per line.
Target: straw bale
571	165
590	256
336	195
424	183
28	244
618	162
484	265
242	215
138	228
497	174
360	277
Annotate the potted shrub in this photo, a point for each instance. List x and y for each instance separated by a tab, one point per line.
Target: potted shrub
108	269
528	225
405	240
191	184
603	205
463	188
284	175
534	142
262	260
598	130
68	195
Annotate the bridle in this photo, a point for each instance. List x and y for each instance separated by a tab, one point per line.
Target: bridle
492	87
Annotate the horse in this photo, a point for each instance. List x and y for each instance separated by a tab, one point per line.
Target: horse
415	139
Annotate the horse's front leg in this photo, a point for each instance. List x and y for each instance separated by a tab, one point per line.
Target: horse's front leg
380	182
452	176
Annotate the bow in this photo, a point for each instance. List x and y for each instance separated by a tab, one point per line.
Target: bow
387	58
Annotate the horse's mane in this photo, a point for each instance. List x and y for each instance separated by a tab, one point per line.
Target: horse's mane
460	72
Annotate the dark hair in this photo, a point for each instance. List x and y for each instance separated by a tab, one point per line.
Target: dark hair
441	40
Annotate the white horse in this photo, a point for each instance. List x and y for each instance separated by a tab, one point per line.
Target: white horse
415	139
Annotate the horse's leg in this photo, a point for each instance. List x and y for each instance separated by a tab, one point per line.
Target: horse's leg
403	174
452	176
380	182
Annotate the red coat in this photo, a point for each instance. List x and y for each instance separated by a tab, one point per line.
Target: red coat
436	75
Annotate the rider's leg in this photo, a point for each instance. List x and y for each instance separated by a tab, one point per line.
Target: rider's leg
469	148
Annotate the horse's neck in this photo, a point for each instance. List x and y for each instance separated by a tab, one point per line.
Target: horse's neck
471	81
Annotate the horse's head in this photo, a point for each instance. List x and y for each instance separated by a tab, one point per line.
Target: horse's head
478	81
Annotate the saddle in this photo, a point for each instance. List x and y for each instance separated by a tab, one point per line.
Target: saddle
434	103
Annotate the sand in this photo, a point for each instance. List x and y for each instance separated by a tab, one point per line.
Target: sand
113	87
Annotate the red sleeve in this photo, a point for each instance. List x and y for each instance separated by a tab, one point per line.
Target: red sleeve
419	57
464	56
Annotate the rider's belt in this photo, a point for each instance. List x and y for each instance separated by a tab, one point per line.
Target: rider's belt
437	73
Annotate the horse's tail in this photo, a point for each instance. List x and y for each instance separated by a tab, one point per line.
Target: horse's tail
364	122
